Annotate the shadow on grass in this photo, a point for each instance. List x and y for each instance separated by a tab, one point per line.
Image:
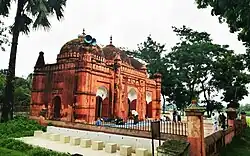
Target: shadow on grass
240	145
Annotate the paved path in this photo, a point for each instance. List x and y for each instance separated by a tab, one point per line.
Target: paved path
66	148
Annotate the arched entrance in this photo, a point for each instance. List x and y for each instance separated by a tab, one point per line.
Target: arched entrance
102	102
148	105
57	107
98	106
132	100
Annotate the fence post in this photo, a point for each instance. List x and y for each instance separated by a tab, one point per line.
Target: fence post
231	116
195	129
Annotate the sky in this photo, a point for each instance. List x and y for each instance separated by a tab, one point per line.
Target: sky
129	22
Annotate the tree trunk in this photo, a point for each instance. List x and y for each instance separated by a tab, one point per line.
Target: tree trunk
7	111
207	99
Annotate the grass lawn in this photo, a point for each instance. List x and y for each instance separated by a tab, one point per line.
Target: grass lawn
240	145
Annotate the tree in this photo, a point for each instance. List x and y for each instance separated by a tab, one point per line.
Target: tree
192	57
4	40
22	91
230	76
28	12
234	12
198	62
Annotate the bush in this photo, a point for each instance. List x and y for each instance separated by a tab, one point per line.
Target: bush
21	127
7	152
17	145
44	152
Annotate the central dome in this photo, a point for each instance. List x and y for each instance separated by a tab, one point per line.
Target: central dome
78	45
109	52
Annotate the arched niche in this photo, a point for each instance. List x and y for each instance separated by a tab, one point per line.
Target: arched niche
132	94
132	99
102	92
148	104
57	107
102	102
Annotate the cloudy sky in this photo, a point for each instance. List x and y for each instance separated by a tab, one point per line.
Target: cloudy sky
129	22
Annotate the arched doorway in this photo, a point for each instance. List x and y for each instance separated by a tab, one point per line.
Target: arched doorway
57	107
98	106
148	105
132	100
102	102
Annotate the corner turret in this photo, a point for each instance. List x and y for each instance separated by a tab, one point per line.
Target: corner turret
40	63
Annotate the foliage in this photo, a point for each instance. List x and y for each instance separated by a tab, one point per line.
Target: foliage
196	66
22	89
21	127
8	152
245	108
28	13
25	149
234	12
230	76
4	40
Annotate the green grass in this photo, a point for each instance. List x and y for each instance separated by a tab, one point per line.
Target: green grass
8	152
240	145
20	127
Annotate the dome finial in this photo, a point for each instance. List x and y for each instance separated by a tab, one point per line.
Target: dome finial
110	42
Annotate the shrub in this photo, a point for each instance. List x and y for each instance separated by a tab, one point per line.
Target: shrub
44	152
7	152
20	127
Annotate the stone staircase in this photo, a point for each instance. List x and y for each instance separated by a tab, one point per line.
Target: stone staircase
86	146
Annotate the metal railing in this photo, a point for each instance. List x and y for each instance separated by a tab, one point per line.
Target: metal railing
167	127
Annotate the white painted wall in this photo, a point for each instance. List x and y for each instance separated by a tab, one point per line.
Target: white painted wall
135	142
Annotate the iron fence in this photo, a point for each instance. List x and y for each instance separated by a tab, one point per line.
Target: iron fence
167	127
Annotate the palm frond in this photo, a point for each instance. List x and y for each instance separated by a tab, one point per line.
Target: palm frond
5	7
57	7
42	21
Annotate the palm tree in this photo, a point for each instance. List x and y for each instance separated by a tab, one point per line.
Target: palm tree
33	13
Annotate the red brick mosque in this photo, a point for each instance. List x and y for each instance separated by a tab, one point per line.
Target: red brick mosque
88	82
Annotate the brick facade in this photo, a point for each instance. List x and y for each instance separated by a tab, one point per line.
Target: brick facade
88	82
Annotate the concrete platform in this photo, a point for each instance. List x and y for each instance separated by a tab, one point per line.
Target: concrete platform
67	148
